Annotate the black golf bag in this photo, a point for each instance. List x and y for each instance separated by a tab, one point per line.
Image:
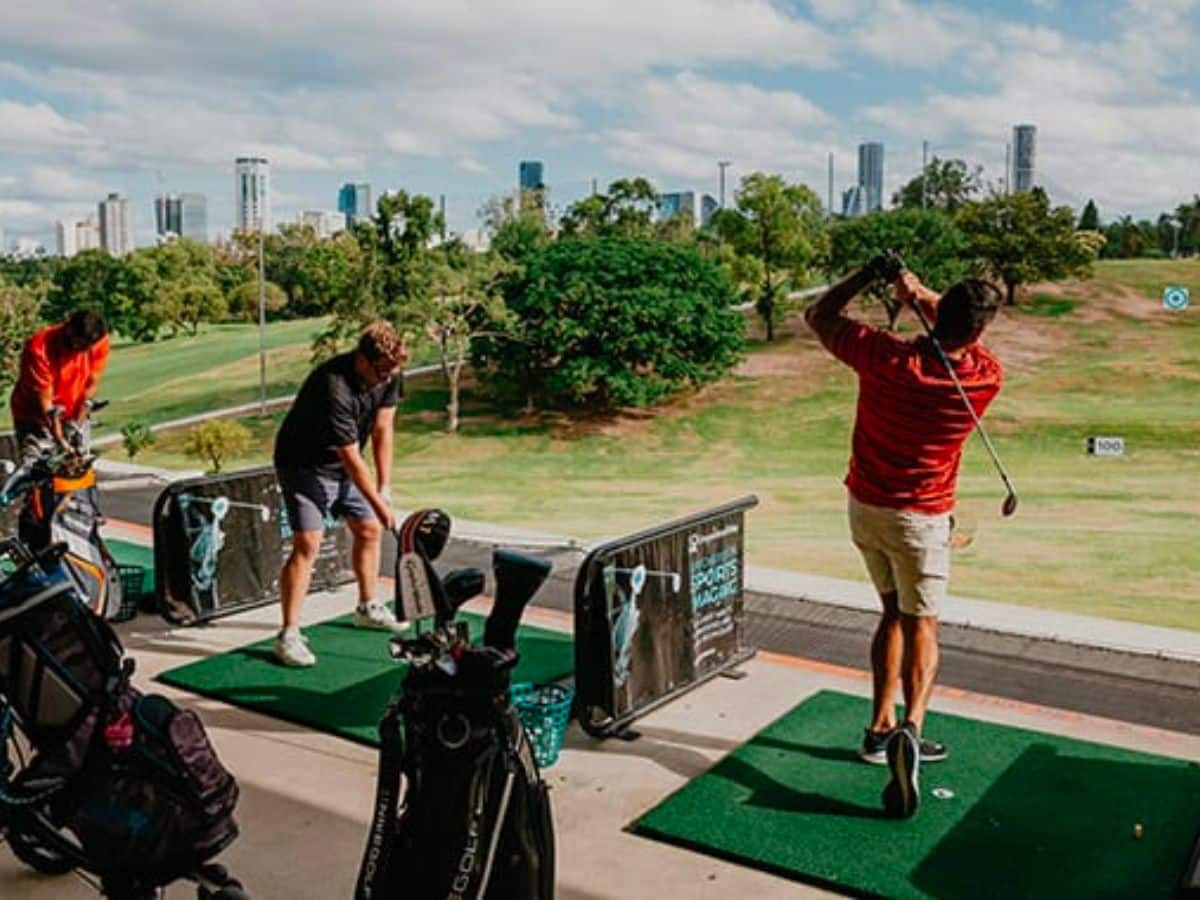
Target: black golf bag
474	818
120	784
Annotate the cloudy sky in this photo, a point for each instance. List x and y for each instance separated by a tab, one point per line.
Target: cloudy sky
445	96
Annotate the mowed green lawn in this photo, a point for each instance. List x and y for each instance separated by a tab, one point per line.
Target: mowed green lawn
170	379
1106	537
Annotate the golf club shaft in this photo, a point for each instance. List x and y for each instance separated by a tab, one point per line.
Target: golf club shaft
987	442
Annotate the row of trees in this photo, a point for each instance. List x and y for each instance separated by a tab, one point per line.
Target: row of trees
605	305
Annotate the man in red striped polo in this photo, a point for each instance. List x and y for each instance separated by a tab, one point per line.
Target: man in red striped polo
909	430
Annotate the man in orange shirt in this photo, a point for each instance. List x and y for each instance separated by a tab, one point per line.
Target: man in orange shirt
60	370
909	430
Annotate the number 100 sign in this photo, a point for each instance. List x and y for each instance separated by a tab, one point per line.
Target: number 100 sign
1106	446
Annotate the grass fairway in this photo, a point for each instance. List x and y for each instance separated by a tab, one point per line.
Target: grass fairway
169	379
1105	537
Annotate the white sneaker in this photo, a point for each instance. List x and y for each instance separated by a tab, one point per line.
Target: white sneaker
292	650
376	615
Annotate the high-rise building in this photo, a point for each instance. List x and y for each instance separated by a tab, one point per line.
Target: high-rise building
193	217
354	201
167	213
64	233
252	194
87	235
27	248
1024	152
324	223
700	207
114	225
529	176
870	176
852	201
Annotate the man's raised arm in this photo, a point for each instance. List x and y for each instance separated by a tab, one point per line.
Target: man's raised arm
824	314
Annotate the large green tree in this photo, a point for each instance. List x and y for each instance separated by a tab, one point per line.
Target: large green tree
614	322
626	210
928	240
773	235
517	225
1089	219
945	184
1018	238
394	269
20	317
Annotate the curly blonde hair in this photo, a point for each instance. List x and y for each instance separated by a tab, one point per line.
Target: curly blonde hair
380	341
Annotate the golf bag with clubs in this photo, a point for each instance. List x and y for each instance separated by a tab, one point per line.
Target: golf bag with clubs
94	775
61	504
474	818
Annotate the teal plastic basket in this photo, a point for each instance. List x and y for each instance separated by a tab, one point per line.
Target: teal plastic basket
545	710
133	587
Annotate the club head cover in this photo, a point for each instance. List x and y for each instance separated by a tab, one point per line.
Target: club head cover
432	531
462	585
419	592
518	578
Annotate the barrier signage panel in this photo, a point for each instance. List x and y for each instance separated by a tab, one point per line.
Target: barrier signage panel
220	542
657	613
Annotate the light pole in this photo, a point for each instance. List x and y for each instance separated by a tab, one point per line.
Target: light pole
262	324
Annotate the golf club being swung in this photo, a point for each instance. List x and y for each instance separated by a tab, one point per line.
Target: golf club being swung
1010	502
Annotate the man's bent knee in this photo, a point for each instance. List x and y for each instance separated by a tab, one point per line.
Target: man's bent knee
306	545
365	530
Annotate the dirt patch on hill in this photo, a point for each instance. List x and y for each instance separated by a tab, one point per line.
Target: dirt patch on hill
1101	303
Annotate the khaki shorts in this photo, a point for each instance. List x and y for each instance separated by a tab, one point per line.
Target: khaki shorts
906	552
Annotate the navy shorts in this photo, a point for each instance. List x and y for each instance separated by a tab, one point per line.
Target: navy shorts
313	500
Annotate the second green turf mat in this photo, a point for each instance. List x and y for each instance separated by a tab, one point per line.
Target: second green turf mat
346	692
1031	814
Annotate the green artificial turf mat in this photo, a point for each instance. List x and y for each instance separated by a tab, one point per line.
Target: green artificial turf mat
354	679
1032	814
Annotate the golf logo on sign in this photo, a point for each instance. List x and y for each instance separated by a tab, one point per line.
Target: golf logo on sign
1106	446
1176	299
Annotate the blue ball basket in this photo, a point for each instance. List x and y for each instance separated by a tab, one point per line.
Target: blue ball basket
545	710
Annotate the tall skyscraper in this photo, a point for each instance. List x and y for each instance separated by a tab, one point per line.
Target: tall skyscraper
87	235
252	194
870	176
852	201
1024	152
167	211
529	176
354	201
64	233
700	207
193	217
114	225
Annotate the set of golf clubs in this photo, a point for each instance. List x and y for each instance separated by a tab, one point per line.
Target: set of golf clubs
889	267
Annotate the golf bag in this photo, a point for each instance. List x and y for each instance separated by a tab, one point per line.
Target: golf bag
62	505
121	784
474	819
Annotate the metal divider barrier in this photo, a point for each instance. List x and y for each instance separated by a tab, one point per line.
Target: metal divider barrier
220	542
658	613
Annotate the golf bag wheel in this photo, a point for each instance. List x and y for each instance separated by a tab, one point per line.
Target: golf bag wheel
37	857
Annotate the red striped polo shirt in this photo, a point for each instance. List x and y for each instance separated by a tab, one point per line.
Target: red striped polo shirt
910	424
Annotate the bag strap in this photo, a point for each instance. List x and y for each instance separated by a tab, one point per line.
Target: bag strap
374	875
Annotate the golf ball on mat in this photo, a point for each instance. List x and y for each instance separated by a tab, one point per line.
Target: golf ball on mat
943	793
1138	831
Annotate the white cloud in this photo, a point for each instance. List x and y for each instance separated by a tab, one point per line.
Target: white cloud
37	126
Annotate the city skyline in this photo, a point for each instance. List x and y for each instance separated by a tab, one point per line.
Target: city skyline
417	98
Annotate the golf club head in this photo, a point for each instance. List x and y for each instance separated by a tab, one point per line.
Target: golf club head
1010	505
462	585
518	578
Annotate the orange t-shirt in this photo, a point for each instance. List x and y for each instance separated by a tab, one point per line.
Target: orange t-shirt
52	374
911	423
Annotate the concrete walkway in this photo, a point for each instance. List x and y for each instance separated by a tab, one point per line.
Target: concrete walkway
306	796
